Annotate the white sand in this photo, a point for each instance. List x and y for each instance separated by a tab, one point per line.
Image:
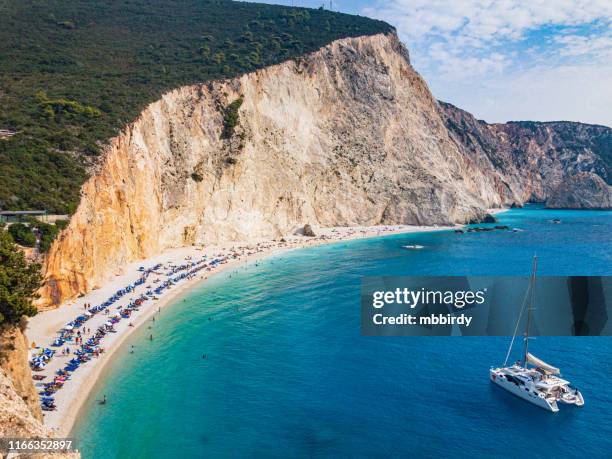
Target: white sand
43	328
497	211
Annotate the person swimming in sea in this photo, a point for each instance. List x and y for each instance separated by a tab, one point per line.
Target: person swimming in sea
103	401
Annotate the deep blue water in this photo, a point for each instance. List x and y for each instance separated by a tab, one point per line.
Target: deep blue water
287	373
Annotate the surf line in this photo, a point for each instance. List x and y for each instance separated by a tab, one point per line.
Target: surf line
432	319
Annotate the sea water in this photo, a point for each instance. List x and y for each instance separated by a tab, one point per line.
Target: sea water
268	361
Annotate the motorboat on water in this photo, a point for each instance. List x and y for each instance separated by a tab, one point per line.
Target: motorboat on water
413	247
535	380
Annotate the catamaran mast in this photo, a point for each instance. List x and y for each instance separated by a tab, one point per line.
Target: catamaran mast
531	299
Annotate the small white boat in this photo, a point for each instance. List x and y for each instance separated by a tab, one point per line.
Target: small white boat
539	383
413	247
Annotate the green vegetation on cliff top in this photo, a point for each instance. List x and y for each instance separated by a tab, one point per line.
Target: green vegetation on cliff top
72	74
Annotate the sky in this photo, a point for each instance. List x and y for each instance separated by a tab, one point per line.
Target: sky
505	60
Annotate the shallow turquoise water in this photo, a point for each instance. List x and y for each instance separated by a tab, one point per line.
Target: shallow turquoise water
287	373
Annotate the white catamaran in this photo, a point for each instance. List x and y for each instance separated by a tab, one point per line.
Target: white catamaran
539	384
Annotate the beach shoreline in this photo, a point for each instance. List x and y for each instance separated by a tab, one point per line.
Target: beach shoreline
42	329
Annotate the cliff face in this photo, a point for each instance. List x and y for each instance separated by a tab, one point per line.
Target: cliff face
17	421
20	413
348	135
14	362
561	163
584	190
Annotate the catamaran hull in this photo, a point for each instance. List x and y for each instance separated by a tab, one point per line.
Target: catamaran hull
521	392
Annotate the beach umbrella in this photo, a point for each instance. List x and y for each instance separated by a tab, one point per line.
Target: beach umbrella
68	327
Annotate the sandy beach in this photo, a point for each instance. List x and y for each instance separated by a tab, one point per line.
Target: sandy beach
43	329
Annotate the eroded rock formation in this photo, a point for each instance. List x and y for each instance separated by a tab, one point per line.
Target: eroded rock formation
563	164
14	362
20	413
584	190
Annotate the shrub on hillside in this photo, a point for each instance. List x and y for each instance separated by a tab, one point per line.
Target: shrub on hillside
22	235
47	234
61	224
231	118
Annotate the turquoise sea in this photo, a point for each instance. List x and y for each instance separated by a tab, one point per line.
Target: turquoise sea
287	373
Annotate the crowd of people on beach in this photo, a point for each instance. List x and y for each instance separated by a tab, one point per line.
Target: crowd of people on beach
84	348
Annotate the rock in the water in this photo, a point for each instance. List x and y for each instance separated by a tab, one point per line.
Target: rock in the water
489	219
308	231
584	190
